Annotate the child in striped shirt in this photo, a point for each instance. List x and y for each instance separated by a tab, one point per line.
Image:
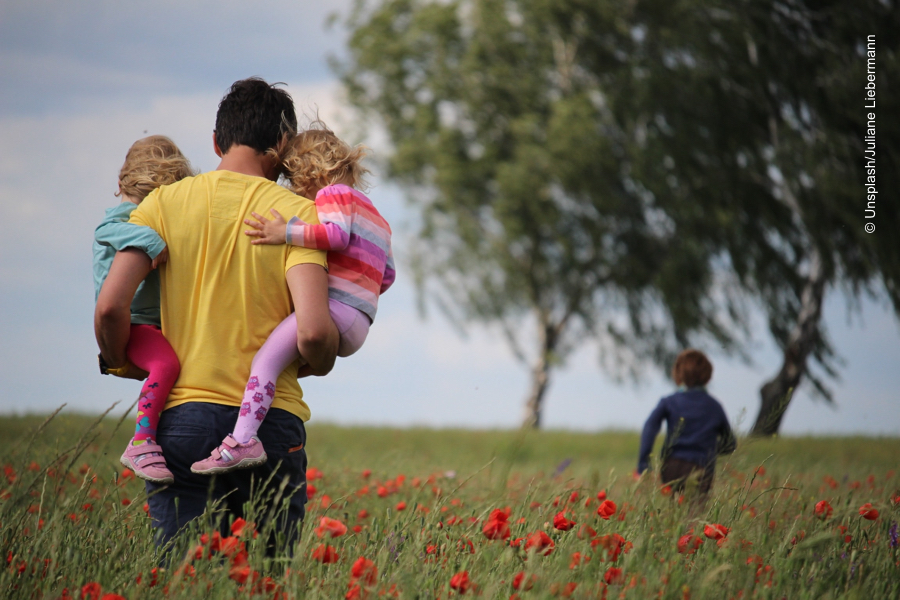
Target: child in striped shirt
360	268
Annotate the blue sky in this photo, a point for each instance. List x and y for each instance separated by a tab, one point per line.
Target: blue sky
82	81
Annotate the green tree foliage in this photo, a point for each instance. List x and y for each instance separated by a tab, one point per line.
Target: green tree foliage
621	171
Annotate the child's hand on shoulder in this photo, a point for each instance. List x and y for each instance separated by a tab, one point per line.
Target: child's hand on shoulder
267	231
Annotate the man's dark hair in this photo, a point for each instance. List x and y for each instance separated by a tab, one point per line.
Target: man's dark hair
256	114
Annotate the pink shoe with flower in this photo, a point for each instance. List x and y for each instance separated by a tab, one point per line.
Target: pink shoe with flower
231	455
147	462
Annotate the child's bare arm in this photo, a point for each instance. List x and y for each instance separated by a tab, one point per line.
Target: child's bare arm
267	231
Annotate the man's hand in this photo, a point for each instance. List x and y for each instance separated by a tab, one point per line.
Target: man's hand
266	231
304	371
132	372
162	257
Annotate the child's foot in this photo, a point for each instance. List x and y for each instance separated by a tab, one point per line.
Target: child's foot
147	462
232	455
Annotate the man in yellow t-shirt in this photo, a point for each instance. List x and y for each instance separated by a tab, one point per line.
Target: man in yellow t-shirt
220	299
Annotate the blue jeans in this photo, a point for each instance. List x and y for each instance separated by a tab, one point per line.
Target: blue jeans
189	432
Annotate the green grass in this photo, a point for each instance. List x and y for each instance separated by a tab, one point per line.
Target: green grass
68	518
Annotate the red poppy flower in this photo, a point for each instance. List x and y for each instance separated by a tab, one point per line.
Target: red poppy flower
715	531
460	582
112	597
577	559
313	473
240	526
239	573
823	509
688	544
586	531
330	526
607	509
601	495
613	576
867	512
521	583
400	505
229	546
91	591
497	525
614	545
364	570
325	554
561	523
540	542
465	545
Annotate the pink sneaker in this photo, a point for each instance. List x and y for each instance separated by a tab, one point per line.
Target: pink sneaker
232	455
147	462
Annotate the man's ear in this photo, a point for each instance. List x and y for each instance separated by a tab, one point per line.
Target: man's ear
216	146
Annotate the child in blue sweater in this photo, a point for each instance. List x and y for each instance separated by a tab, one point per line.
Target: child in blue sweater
697	429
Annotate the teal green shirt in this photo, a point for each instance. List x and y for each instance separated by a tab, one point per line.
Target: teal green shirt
115	233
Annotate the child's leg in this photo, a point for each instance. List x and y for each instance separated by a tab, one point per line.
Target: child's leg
352	324
148	349
276	354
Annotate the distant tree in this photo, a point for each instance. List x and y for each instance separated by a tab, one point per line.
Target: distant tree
758	112
529	219
621	172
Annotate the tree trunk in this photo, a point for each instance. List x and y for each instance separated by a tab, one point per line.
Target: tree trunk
540	377
776	394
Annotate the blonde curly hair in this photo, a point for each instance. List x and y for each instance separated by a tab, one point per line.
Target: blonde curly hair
152	162
317	158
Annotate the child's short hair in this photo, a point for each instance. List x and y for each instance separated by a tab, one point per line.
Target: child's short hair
692	369
150	163
317	158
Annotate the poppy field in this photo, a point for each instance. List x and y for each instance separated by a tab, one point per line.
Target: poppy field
445	513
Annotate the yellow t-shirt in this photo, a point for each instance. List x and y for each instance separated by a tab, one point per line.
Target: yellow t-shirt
220	296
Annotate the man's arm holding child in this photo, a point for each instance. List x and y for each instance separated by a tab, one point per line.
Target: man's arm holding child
317	336
112	316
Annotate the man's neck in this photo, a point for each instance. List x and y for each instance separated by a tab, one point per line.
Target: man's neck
246	160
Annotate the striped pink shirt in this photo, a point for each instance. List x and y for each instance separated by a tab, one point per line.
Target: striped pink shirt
358	241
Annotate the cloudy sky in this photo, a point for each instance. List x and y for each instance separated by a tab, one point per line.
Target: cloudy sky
83	80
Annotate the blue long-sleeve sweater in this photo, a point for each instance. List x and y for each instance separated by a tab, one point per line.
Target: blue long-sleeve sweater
696	429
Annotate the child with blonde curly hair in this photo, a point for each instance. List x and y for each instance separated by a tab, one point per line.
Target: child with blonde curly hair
360	268
151	162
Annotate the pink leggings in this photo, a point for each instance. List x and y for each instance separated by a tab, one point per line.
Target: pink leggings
279	351
148	349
